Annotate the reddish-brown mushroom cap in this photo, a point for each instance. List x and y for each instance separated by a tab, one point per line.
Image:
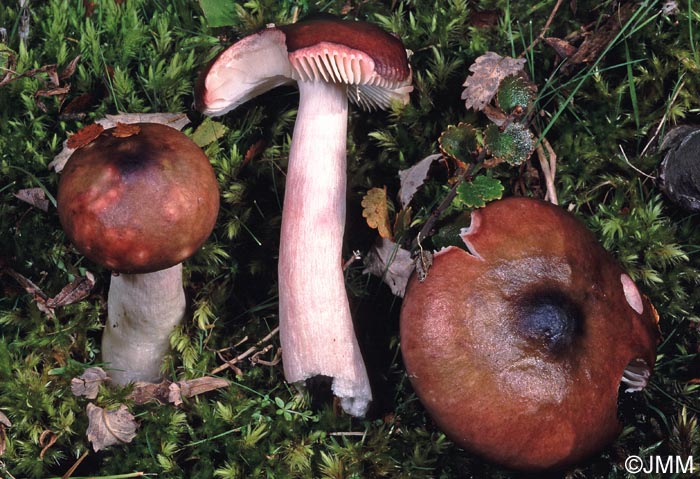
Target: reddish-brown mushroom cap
359	54
139	203
518	349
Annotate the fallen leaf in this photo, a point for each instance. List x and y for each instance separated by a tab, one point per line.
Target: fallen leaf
125	130
4	422
562	48
193	387
75	291
376	211
107	428
173	392
173	120
70	69
208	132
88	383
487	72
413	178
255	150
84	136
391	263
35	197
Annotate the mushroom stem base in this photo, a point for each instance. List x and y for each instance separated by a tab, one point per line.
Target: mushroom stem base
142	309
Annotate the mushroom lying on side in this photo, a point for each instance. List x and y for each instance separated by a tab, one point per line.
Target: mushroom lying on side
139	203
330	60
518	350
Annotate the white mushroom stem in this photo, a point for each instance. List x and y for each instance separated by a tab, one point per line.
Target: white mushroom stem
316	329
142	310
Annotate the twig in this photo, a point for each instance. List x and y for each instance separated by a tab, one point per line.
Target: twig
426	230
663	119
548	162
544	29
253	349
72	469
624	157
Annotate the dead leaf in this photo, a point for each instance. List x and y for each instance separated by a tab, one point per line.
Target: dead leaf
413	178
169	392
107	428
173	120
255	150
391	263
47	439
35	197
88	383
84	136
487	72
562	48
125	130
70	69
74	292
193	387
376	211
593	45
4	422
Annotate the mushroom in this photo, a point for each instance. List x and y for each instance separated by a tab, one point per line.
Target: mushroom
519	348
330	60
139	201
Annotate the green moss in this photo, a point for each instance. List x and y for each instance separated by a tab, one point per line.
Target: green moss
141	56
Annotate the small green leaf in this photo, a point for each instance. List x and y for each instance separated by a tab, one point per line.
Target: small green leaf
513	145
208	132
514	92
478	192
458	142
219	13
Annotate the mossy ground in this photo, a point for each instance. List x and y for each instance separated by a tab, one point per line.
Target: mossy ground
144	56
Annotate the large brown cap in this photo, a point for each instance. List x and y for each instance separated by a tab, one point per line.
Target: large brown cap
138	203
371	61
518	350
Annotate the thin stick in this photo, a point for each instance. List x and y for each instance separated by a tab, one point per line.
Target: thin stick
72	469
544	29
248	352
548	162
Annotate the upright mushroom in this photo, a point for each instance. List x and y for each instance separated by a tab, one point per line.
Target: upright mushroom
330	60
139	200
519	349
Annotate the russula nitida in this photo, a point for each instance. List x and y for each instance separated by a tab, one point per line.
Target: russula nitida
139	202
518	347
331	61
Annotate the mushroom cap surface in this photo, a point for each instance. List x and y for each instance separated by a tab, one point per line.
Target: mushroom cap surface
517	350
324	48
139	203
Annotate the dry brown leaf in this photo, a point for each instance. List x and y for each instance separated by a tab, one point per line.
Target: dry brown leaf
88	383
413	178
170	392
35	197
391	263
562	48
173	120
4	422
84	136
376	211
487	72
107	428
125	130
70	69
73	292
193	387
